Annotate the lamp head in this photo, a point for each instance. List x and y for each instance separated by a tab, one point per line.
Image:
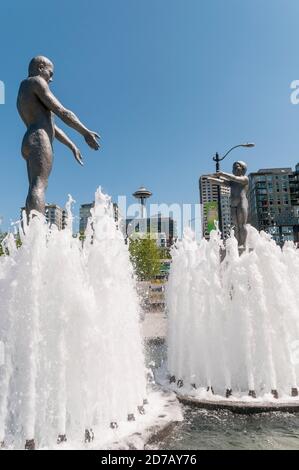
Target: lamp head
248	144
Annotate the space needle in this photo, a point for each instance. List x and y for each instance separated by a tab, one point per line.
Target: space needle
142	194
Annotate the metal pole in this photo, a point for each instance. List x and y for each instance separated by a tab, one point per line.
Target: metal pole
217	160
142	207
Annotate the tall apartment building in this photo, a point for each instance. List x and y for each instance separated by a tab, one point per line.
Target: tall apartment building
274	202
208	192
85	214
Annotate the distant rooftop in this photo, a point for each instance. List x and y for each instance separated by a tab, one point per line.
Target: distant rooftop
275	170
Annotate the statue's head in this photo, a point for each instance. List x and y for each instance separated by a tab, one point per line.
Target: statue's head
239	168
41	66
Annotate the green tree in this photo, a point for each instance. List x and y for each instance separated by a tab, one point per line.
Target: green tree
2	236
145	257
165	253
17	241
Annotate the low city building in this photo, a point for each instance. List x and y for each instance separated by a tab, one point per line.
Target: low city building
85	213
55	215
163	229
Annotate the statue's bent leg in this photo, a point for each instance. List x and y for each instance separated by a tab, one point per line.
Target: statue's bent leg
39	166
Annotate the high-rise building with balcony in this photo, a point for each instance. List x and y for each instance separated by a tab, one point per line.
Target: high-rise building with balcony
274	202
208	192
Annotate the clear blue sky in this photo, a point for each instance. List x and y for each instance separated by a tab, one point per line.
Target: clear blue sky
165	82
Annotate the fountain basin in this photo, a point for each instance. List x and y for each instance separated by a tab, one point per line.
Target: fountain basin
162	413
241	406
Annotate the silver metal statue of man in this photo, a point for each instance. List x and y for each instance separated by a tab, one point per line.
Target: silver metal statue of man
37	105
238	183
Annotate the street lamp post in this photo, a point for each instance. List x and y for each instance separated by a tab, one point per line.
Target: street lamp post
217	159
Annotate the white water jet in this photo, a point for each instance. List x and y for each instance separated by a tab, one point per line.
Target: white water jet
234	324
69	321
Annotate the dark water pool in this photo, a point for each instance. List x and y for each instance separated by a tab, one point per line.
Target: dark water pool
202	429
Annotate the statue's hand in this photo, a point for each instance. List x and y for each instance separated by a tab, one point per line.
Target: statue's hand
220	175
78	156
91	138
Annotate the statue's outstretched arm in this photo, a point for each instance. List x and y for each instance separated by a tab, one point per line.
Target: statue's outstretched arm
64	139
219	181
236	179
53	104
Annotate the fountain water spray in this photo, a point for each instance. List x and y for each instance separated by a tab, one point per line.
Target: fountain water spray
69	321
233	322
